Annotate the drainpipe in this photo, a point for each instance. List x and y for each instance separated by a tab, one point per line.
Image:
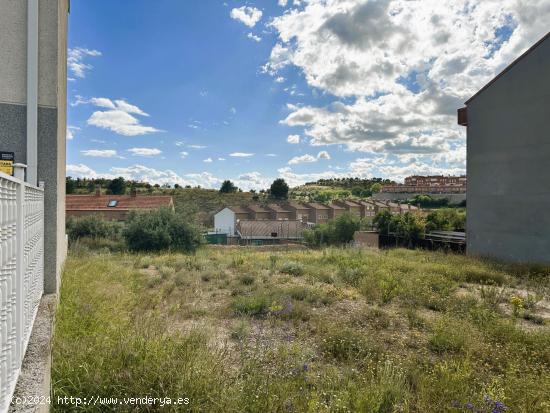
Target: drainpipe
32	91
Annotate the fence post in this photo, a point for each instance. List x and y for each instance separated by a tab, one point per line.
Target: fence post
20	273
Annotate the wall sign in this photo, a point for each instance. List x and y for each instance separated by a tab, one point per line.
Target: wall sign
6	162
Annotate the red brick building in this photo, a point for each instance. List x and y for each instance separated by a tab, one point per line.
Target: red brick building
436	180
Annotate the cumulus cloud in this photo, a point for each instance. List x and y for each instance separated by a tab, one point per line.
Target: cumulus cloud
293	139
241	155
76	58
208	160
302	159
118	117
309	158
145	151
98	153
398	70
247	15
184	154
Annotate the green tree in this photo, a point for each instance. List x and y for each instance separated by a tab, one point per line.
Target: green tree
375	188
70	185
279	189
228	187
117	186
383	221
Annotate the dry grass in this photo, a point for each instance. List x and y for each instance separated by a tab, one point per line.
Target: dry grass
304	331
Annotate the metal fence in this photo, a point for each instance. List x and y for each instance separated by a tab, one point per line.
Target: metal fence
21	275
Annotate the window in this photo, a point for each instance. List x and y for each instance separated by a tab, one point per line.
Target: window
112	203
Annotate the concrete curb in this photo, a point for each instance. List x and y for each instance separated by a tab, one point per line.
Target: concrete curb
34	384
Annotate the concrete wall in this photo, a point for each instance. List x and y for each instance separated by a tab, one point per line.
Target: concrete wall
509	164
392	196
52	85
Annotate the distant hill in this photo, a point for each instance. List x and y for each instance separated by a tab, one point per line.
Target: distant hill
325	190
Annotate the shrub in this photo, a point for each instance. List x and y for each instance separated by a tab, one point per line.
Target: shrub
92	226
346	345
292	268
337	232
254	305
161	229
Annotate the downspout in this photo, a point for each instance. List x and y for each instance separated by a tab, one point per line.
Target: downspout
32	91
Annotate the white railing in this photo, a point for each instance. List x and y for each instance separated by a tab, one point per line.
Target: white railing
21	275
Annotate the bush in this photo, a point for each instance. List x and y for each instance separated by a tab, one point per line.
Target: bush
446	220
292	268
161	229
337	232
92	226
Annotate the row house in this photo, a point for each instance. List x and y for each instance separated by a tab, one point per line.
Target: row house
280	213
352	207
318	213
258	212
226	220
335	210
298	211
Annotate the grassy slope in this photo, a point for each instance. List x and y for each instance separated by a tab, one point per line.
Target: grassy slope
315	331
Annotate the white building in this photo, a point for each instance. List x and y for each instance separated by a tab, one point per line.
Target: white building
226	220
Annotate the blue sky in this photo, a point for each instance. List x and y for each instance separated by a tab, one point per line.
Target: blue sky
194	92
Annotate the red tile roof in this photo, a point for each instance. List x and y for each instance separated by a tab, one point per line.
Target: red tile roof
258	208
270	229
125	202
316	205
277	208
237	209
296	205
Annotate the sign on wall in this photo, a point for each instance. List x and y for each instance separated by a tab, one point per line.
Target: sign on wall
6	162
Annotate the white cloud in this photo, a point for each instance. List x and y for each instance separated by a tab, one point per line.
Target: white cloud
208	160
294	179
252	180
75	61
119	117
184	154
279	79
254	37
241	155
196	146
302	159
71	130
271	155
146	174
221	159
249	16
98	153
282	3
145	151
404	67
84	171
293	139
233	110
309	158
